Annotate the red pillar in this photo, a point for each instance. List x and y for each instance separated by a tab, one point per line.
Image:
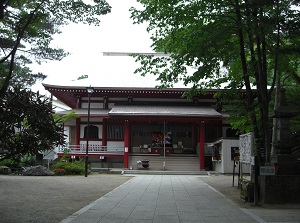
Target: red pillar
126	142
202	140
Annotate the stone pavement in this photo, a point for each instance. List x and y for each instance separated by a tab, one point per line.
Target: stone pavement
168	198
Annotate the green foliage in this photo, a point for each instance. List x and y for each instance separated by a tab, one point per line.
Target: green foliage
64	167
59	172
247	190
22	75
27	125
28	160
61	119
27	29
24	161
9	163
82	77
232	45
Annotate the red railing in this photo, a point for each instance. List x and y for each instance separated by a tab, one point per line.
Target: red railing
93	149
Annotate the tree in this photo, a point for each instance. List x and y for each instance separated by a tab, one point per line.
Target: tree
22	75
27	124
27	27
240	45
292	97
82	77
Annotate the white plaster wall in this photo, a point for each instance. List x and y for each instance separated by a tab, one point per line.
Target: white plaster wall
226	154
113	145
225	165
217	166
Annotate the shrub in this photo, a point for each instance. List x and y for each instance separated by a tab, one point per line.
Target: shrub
71	168
25	160
59	171
9	163
28	160
6	162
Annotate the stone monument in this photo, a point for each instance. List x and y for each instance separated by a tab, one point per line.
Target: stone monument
283	187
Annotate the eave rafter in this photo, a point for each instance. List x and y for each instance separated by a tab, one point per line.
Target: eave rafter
70	94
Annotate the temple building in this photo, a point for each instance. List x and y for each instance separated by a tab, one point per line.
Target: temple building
129	124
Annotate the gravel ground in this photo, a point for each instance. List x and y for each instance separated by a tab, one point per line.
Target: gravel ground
53	198
50	198
223	184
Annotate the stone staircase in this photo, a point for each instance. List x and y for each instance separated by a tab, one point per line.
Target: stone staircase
172	163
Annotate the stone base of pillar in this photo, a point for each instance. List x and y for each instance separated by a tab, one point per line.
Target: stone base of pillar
287	165
279	189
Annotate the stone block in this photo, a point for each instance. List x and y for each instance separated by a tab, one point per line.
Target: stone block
279	189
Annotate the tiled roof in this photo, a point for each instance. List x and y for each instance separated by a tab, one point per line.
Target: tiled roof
84	112
149	110
159	110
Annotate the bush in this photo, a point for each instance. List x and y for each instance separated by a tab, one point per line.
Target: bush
247	190
6	162
70	168
28	160
25	160
59	171
9	163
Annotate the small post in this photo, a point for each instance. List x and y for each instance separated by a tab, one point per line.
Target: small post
164	163
233	172
89	90
239	174
256	173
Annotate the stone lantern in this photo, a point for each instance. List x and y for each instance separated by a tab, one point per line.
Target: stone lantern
283	143
283	187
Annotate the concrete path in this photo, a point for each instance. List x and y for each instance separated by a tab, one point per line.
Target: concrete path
163	198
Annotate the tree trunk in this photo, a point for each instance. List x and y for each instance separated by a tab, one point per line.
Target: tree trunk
246	68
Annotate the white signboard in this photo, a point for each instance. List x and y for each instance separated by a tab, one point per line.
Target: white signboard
246	145
267	170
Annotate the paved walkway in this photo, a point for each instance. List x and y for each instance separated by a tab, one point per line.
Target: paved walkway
164	199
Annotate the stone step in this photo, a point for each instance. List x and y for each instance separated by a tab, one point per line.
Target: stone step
172	163
166	172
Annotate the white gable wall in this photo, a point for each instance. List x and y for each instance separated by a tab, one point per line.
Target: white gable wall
225	164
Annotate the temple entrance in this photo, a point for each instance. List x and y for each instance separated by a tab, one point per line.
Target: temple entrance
163	137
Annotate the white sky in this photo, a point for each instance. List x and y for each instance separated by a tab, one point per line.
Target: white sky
116	33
